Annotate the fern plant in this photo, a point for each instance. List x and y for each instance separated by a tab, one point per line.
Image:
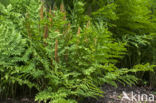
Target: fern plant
44	52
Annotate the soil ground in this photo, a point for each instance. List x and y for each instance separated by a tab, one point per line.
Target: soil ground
118	95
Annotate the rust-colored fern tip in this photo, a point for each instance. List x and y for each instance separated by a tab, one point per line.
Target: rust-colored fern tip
56	50
55	7
88	24
41	12
46	31
78	31
50	17
62	7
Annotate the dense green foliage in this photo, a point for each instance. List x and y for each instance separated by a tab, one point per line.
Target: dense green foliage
66	54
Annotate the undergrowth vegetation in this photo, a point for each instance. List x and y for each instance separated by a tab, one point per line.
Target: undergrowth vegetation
64	57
